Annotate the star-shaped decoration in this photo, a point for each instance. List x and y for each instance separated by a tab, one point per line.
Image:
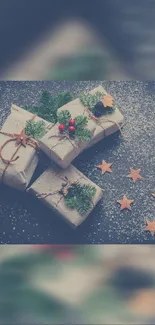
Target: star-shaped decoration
107	100
125	203
22	138
105	167
150	227
153	194
135	174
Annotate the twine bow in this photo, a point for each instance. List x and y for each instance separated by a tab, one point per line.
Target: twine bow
62	137
20	139
63	191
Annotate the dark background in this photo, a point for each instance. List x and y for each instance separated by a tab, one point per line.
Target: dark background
24	219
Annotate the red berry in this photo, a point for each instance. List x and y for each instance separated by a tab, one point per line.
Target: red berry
71	129
72	122
65	255
61	127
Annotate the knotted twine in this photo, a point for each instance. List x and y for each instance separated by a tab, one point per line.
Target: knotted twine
20	140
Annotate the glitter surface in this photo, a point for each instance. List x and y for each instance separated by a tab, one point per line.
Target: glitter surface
25	220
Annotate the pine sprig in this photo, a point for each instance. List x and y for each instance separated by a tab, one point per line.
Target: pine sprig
63	117
81	121
83	134
94	104
79	197
35	129
48	105
90	100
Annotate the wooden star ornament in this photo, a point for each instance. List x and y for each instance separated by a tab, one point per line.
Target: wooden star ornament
153	194
21	138
105	167
107	100
135	174
150	227
125	203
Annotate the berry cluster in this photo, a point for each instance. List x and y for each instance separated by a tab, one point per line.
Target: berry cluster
74	128
71	127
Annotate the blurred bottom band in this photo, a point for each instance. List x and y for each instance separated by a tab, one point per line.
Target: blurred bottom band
80	284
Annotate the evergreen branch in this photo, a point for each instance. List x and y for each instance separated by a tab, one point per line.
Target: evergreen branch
81	121
83	134
35	129
63	98
83	207
79	197
48	105
32	109
87	191
44	99
90	100
63	117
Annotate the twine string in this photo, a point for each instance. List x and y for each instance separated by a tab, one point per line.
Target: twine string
20	140
99	119
61	137
65	186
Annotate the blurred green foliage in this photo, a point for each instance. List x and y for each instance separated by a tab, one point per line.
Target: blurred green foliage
85	65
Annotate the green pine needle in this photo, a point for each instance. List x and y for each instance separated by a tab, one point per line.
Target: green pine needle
90	101
63	117
48	105
35	129
83	134
81	121
79	197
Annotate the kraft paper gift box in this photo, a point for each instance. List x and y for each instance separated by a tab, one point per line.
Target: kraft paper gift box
105	125
48	189
63	152
18	173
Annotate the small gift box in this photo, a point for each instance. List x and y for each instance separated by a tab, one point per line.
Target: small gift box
67	138
68	192
18	148
99	107
94	112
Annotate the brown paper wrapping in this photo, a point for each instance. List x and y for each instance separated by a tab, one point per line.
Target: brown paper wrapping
105	128
18	174
64	152
51	181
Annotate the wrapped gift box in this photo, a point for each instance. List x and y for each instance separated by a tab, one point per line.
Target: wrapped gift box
17	174
48	188
64	151
105	125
